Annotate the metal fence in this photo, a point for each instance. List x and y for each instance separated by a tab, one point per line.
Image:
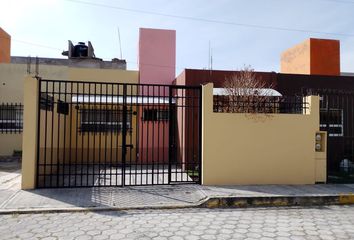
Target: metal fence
111	134
260	104
11	118
337	118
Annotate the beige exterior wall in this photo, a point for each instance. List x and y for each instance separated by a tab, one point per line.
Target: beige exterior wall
11	91
11	88
297	60
260	149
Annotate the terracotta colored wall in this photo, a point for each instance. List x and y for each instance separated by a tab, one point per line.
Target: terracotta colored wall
286	84
153	139
5	47
157	56
197	77
313	56
325	57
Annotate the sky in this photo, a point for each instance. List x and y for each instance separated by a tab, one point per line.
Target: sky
240	32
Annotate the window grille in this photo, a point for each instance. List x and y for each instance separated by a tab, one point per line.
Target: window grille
11	118
103	120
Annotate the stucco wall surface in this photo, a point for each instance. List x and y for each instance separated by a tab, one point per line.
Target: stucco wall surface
259	149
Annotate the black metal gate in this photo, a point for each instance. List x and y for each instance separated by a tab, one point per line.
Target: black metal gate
112	134
337	118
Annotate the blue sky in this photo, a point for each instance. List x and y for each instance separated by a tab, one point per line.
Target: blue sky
50	23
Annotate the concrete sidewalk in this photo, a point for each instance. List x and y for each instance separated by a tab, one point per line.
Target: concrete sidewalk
173	196
14	200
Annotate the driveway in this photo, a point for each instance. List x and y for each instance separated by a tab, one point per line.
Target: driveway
10	177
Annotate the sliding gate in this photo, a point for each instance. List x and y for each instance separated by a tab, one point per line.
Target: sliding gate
111	134
337	118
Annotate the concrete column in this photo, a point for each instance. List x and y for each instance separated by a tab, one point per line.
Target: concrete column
30	122
207	109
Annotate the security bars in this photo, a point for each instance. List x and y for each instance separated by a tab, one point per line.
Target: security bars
11	118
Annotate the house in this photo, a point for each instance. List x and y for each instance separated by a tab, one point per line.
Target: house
312	67
93	126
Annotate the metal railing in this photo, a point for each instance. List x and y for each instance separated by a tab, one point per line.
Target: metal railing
11	118
260	104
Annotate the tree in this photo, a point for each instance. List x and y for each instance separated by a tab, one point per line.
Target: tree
246	92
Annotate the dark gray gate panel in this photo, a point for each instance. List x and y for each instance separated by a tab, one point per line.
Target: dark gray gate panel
110	134
337	118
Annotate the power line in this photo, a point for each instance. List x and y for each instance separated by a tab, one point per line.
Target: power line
214	20
337	1
32	43
37	45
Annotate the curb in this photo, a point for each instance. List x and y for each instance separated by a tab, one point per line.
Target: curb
212	203
278	201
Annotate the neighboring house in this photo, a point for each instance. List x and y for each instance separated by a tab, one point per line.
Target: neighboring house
312	67
12	72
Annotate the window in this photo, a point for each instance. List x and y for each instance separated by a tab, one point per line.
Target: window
155	115
103	120
11	118
332	120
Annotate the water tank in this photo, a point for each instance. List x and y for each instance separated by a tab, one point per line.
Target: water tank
80	50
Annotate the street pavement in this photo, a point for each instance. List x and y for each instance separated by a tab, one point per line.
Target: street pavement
331	222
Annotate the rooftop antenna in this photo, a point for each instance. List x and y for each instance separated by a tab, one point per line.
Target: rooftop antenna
29	61
120	45
37	67
210	58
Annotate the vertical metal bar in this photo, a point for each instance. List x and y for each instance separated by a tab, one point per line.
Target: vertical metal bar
165	125
88	137
154	121
170	140
39	132
147	138
113	129
77	132
70	133
137	132
64	139
124	131
200	134
328	133
106	115
193	107
99	129
52	136
119	161
93	120
82	136
188	108
58	139
159	98
142	152
130	133
183	135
